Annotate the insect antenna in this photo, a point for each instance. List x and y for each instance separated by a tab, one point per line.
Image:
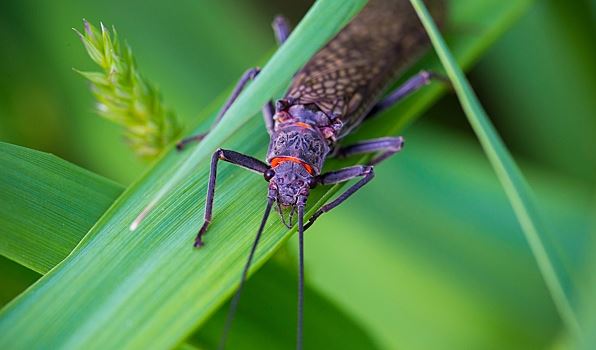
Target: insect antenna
300	277
234	303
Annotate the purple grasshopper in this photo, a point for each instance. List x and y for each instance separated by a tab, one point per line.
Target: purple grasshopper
338	89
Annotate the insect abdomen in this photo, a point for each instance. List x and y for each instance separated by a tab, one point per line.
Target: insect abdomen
347	76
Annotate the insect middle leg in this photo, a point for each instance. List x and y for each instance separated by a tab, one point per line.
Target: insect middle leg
342	175
384	146
233	157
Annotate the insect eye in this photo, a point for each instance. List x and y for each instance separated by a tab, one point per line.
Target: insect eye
311	182
269	174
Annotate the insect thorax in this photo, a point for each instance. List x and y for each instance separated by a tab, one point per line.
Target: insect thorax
297	140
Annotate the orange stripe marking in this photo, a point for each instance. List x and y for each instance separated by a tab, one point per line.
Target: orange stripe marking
278	160
303	125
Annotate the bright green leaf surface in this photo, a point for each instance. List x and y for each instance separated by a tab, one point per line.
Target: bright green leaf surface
150	288
268	319
45	208
510	176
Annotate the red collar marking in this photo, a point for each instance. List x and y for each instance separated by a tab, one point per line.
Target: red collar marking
278	160
302	125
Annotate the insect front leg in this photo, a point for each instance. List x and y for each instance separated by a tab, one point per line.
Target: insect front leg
412	85
281	29
342	175
236	158
246	77
384	146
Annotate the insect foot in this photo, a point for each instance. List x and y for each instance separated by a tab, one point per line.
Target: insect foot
199	239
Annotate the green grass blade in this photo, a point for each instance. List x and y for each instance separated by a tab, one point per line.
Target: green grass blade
267	317
47	206
508	173
150	288
274	286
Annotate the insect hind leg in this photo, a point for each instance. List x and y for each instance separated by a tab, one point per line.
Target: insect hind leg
249	75
281	29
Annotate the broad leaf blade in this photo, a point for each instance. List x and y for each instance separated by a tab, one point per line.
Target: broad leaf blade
40	231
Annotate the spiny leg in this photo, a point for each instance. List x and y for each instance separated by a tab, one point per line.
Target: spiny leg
385	147
244	79
412	85
342	175
236	158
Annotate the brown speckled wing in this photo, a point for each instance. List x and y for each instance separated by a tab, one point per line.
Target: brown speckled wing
346	77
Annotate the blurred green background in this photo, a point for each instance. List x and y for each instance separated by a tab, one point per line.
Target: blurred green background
465	278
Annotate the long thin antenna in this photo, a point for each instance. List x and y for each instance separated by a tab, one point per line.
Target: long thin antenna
234	304
300	277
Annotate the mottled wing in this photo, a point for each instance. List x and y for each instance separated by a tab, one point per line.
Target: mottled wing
347	76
